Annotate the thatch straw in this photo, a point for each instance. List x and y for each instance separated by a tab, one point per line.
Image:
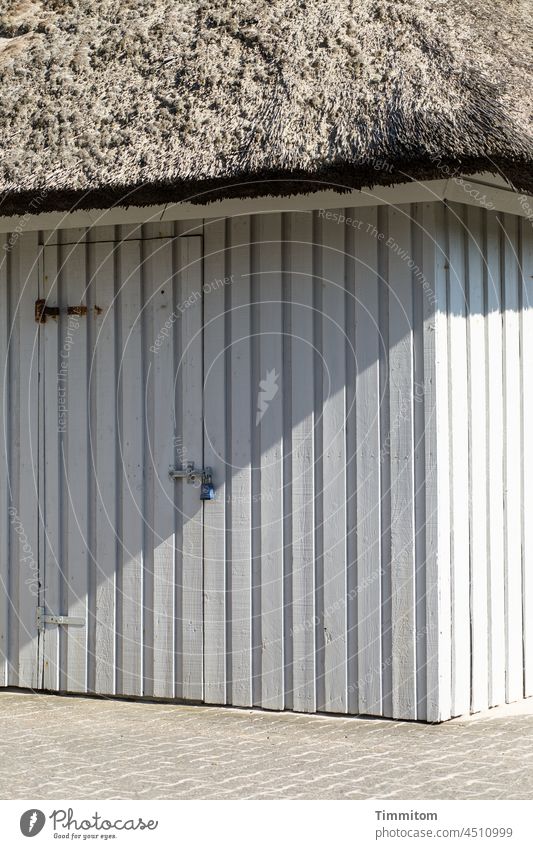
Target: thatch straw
140	102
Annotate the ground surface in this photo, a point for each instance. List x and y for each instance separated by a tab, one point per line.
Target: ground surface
54	747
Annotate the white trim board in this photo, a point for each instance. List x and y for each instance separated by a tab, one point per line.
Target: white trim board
474	191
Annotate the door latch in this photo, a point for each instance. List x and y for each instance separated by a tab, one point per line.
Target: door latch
44	619
204	477
42	311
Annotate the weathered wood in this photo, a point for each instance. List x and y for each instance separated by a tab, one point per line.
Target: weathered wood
267	401
190	684
25	375
217	398
302	471
526	389
368	463
437	476
512	462
73	461
6	518
402	472
130	405
344	469
158	292
103	465
352	642
50	488
460	548
242	417
334	467
495	444
419	459
477	417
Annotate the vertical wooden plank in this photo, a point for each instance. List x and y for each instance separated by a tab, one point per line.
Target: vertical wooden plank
334	464
512	461
302	461
158	294
242	410
13	466
459	465
53	376
190	565
352	643
437	459
103	379
24	553
420	435
369	459
381	235
269	421
73	462
401	465
158	230
5	517
216	403
129	363
478	460
526	332
495	445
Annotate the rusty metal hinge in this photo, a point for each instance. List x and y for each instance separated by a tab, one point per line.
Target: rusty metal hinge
42	311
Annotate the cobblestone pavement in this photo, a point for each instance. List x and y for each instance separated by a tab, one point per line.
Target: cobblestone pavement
54	747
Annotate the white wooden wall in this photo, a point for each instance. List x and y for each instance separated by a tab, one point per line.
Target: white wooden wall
485	349
19	542
332	498
369	549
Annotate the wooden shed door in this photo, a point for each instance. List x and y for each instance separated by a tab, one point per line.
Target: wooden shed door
121	404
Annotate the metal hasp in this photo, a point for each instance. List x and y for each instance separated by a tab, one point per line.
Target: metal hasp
202	476
192	475
44	619
42	311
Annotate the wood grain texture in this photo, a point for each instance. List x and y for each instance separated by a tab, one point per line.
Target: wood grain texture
131	467
459	460
190	684
158	291
368	465
217	398
345	476
302	466
477	416
242	417
437	475
495	440
512	461
402	471
103	465
267	399
6	518
526	337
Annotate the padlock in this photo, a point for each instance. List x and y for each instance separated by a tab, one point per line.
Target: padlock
207	492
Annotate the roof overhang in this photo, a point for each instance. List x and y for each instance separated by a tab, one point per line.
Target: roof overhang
481	190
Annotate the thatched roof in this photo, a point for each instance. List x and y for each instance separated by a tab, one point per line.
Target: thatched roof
168	99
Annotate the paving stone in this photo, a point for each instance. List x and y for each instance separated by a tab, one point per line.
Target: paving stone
54	747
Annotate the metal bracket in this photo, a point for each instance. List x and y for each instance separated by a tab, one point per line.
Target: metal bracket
50	619
192	475
42	311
